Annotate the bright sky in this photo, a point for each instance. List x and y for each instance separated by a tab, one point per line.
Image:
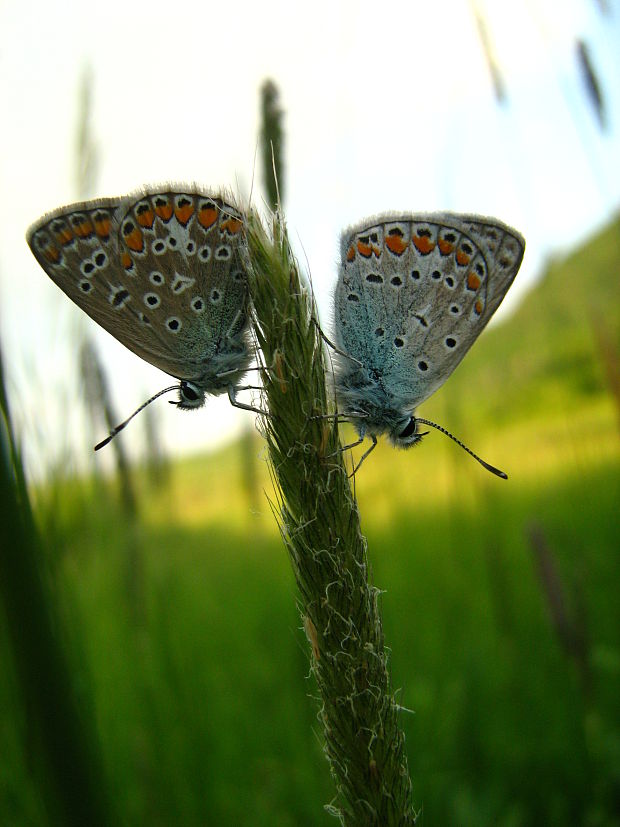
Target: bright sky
388	107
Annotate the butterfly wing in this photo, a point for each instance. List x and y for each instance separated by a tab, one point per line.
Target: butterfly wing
161	271
415	292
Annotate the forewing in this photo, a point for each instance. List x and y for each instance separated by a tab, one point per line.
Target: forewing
161	271
415	291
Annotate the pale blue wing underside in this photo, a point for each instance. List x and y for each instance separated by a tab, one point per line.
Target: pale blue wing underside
415	291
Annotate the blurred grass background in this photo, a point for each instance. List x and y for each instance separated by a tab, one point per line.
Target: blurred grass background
501	602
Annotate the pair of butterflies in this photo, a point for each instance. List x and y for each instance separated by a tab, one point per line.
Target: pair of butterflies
165	272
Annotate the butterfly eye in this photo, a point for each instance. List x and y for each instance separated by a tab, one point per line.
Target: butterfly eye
189	392
190	396
409	430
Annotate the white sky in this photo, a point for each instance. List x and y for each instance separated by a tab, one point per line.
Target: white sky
388	106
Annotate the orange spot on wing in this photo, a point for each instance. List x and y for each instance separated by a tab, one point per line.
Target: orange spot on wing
135	240
364	249
462	258
164	211
83	229
145	218
127	261
473	281
478	306
396	244
102	225
207	216
52	254
231	226
366	246
423	244
445	247
351	253
184	213
64	236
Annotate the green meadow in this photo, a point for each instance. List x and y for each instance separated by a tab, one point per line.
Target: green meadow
501	603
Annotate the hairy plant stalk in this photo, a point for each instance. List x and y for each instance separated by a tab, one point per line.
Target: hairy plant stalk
320	525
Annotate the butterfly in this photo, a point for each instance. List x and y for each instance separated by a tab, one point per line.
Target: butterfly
162	271
414	292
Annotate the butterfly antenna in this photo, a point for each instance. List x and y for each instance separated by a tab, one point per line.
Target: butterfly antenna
120	427
484	464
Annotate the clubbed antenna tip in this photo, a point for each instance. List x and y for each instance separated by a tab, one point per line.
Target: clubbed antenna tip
484	464
120	427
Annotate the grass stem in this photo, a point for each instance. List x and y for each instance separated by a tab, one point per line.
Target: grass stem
320	525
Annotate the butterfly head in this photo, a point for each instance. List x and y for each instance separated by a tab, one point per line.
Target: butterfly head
405	433
363	399
190	396
225	369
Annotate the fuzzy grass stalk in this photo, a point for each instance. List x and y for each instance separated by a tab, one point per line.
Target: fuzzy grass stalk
320	525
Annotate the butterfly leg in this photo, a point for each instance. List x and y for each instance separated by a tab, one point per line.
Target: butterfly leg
341	417
223	374
232	395
351	445
334	347
362	431
333	416
363	457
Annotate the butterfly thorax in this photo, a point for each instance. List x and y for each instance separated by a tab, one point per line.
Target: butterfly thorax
226	370
373	410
